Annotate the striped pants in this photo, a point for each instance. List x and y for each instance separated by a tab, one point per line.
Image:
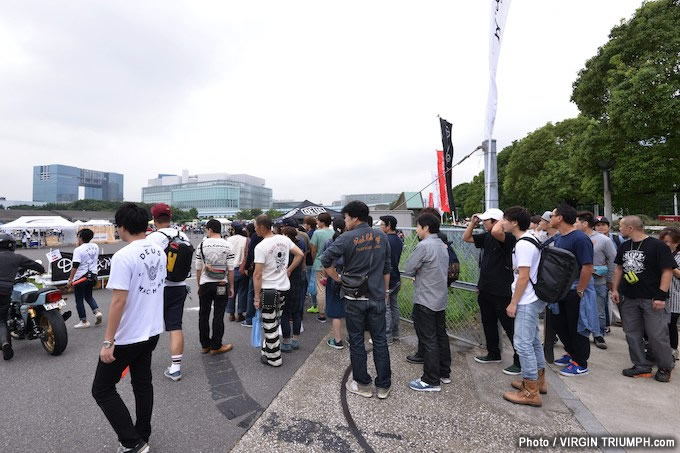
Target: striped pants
271	318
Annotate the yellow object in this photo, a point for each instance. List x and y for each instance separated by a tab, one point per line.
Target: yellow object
172	257
631	277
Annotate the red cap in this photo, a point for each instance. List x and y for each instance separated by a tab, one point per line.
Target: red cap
160	209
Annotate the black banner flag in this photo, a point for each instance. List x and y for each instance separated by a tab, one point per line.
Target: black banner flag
448	159
61	269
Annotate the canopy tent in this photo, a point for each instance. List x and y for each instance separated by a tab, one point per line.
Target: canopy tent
103	230
50	226
307	208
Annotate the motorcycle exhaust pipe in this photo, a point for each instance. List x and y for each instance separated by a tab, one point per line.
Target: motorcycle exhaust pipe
66	315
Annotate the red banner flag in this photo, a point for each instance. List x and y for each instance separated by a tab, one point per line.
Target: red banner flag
442	182
430	201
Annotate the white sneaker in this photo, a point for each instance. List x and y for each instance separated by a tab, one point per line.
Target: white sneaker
302	327
98	317
82	325
382	393
363	390
675	354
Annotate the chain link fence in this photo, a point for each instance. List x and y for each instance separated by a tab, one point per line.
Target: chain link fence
462	313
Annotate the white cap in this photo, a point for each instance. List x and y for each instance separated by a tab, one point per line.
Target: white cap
546	216
493	213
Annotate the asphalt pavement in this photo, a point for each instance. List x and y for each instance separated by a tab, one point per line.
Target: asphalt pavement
48	406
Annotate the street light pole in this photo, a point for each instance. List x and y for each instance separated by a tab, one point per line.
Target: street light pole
605	166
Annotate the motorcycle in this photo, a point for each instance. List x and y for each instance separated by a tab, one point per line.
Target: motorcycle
35	313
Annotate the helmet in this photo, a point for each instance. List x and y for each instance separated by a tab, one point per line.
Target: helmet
7	242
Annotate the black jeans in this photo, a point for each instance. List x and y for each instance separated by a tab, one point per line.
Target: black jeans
138	357
431	330
492	309
207	295
673	330
83	291
4	311
359	315
566	326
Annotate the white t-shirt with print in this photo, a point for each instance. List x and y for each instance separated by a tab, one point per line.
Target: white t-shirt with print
87	257
238	246
218	254
526	254
139	268
162	241
273	253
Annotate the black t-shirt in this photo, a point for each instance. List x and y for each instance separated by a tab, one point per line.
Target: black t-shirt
647	259
495	263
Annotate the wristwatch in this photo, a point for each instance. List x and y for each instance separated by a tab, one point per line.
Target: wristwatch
107	344
580	293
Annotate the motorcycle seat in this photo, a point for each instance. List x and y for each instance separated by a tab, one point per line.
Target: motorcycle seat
29	298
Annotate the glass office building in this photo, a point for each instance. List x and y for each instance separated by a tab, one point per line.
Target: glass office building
65	184
214	195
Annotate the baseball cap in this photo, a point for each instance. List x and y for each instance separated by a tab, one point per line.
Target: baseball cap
160	209
238	227
601	219
493	213
389	220
546	216
290	222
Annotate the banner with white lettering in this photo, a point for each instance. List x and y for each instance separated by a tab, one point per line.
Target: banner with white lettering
61	268
499	14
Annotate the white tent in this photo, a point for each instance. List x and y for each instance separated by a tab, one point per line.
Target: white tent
46	224
103	229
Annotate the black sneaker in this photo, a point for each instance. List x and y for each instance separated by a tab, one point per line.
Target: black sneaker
7	351
600	343
637	372
663	375
415	359
487	359
321	318
141	447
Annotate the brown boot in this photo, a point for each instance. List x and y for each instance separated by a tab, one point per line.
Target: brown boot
527	395
542	385
224	348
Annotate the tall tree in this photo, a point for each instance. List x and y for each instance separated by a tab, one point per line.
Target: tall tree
632	87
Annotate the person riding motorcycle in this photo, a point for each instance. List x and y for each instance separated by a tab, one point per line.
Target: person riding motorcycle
10	264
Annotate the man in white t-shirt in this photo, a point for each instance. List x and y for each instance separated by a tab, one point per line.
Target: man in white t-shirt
271	283
215	277
175	292
525	307
238	242
84	273
135	320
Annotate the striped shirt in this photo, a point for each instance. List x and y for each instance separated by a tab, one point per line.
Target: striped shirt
673	302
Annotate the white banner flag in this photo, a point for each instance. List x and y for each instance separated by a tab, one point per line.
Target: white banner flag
499	14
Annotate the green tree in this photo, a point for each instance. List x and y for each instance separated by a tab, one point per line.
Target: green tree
274	213
632	88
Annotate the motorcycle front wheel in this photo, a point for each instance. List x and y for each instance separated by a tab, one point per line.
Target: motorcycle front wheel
56	336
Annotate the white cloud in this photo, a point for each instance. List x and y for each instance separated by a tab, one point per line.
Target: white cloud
320	99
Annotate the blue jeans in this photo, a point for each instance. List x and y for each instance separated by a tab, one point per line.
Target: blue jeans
311	284
527	339
601	295
371	314
84	291
250	311
240	293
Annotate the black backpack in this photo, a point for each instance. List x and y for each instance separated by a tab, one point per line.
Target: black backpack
557	271
180	255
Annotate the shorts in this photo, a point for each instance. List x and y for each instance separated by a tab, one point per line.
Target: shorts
173	306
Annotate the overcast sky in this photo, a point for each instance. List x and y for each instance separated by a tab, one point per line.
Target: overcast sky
319	98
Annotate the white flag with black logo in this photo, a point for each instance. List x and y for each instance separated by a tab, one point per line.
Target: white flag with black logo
499	14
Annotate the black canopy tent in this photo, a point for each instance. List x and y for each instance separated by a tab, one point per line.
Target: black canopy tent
308	208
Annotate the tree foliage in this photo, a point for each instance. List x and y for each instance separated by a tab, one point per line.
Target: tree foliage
629	98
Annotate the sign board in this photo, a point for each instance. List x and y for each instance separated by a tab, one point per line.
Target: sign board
669	218
61	268
53	255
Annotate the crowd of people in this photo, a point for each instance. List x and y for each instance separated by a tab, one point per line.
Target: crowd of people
349	272
637	272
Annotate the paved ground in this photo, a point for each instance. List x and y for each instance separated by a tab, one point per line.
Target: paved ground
46	400
301	406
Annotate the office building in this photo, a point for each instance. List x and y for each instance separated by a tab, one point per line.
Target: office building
211	194
371	199
64	184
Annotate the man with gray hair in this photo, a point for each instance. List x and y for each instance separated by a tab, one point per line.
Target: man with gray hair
644	270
